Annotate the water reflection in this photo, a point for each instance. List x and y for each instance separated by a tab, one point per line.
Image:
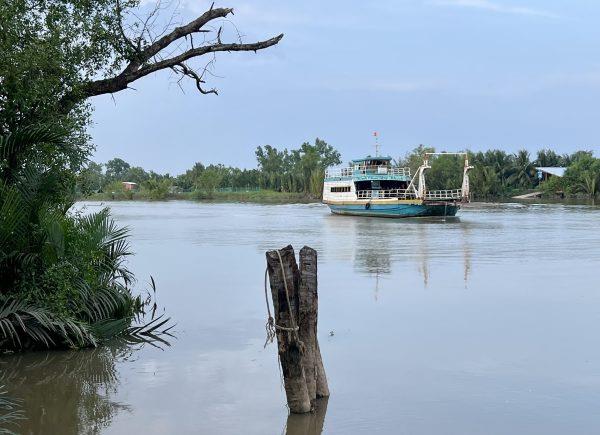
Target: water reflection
466	248
377	244
308	424
67	392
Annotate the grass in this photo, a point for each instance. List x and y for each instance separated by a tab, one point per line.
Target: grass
256	196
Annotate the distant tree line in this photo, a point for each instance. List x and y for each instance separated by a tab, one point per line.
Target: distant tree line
497	173
298	170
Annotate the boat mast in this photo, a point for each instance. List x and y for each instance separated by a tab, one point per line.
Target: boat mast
466	184
376	143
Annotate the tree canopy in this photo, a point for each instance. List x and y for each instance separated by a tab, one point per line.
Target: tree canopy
55	54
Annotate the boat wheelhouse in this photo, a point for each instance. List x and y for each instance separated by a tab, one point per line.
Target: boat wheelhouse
373	186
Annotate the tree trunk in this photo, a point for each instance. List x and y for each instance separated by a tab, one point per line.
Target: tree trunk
309	303
289	347
300	355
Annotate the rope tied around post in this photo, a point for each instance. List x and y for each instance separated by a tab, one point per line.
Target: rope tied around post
271	327
295	327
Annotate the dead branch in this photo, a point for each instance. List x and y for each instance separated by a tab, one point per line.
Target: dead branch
183	69
151	58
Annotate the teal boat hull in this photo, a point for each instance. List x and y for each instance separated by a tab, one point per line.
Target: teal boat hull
396	210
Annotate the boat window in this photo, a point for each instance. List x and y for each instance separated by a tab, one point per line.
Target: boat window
338	189
375	184
383	185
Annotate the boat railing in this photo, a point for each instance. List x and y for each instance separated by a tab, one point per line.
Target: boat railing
366	170
339	172
384	194
381	170
444	194
409	194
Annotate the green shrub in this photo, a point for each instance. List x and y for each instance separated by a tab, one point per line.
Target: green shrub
63	277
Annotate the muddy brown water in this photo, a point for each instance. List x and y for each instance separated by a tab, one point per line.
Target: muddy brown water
484	324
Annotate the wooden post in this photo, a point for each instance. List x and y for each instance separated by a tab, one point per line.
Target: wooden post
299	353
288	345
309	305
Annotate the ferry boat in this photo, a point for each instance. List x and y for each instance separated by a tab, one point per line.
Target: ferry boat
373	186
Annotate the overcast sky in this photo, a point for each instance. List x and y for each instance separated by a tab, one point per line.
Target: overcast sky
452	74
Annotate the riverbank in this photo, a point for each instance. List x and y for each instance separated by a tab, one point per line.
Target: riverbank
274	197
254	196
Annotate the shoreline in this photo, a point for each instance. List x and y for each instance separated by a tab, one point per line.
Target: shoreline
272	197
259	196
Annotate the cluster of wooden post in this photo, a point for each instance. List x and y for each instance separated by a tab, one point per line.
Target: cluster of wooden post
299	353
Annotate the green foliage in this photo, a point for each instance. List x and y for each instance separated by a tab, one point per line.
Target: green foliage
553	186
445	173
157	188
414	159
63	279
90	179
209	180
117	170
26	326
485	182
116	190
583	176
497	173
297	170
48	49
549	158
523	171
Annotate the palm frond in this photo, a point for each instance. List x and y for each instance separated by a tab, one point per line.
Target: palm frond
26	138
23	325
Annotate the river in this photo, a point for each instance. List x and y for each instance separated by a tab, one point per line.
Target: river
488	323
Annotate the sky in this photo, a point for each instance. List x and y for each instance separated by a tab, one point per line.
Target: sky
453	74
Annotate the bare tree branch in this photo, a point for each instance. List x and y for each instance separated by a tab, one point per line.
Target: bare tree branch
183	69
150	59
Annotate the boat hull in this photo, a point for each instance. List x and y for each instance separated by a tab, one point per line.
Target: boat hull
397	210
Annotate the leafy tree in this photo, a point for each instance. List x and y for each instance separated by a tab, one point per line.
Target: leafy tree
414	158
583	176
272	164
523	172
136	174
548	158
485	182
445	173
90	179
158	188
297	170
117	170
209	180
56	54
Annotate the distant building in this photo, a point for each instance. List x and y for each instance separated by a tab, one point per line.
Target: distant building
543	173
129	185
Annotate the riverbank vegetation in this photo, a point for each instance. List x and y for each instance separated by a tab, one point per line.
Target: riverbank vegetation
285	176
63	275
64	280
498	174
294	175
